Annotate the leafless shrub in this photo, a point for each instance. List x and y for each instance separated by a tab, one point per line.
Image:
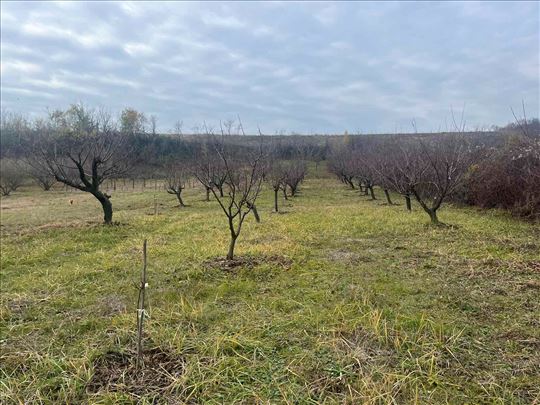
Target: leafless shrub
11	176
509	179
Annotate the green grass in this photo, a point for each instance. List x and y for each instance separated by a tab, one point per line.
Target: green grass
377	307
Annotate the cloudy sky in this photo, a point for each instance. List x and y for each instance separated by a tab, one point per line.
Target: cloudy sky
304	67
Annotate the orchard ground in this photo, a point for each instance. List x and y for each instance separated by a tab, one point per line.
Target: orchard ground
346	300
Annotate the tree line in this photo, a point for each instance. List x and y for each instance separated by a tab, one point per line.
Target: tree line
83	148
492	170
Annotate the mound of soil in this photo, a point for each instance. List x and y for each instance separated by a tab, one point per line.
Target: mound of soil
117	372
247	262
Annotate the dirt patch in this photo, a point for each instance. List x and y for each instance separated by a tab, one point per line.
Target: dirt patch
117	372
531	284
341	255
20	304
23	230
248	262
111	305
364	348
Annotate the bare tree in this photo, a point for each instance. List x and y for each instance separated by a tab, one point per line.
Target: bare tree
43	178
178	127
13	127
244	174
208	169
428	168
363	171
11	176
276	176
295	172
342	163
393	164
443	163
82	153
175	181
228	126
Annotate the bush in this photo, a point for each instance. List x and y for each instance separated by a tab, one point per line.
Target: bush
509	179
11	176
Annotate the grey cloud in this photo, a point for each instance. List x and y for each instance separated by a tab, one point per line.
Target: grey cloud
316	66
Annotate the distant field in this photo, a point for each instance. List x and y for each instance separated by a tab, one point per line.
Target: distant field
364	303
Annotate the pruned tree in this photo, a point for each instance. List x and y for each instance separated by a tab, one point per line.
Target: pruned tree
342	164
442	165
295	172
175	181
11	176
244	172
276	176
363	171
428	168
393	164
83	152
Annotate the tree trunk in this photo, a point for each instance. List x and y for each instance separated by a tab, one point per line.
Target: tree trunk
179	196
408	202
255	213
230	254
293	191
285	193
372	192
276	200
387	194
107	207
207	194
221	191
433	216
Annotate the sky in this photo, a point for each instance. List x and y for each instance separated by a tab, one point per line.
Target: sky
283	67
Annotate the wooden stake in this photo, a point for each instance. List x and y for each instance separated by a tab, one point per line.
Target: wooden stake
140	310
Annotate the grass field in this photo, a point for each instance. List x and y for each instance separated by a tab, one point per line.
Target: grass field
376	306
